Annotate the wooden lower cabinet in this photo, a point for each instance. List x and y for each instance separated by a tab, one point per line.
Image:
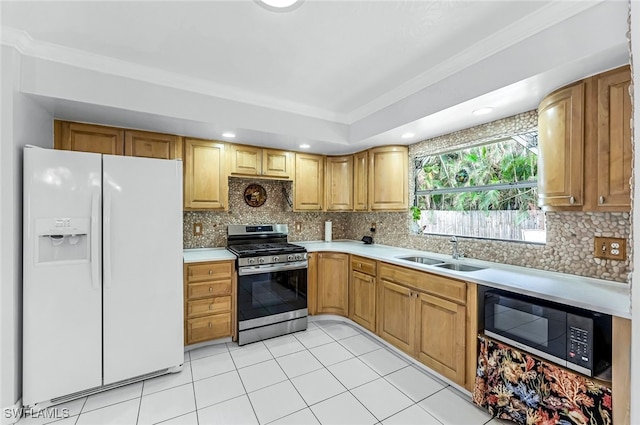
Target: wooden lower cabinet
441	333
209	301
428	316
397	316
333	284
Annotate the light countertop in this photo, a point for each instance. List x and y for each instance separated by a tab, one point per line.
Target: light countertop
592	294
206	254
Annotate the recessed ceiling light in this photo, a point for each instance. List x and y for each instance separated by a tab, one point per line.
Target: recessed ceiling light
229	135
279	5
305	146
407	135
482	111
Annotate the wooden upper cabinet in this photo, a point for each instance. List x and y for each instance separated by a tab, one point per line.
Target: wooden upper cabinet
614	155
88	138
309	182
253	161
152	145
333	283
561	148
339	183
245	160
277	163
360	181
388	178
205	176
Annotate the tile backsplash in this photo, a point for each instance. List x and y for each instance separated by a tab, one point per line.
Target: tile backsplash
569	247
275	210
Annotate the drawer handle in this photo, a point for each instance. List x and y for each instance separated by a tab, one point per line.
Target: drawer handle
210	271
210	289
572	200
210	325
601	199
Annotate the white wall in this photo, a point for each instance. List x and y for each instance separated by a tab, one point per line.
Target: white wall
24	121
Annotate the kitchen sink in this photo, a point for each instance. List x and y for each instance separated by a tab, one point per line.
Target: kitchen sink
422	260
459	267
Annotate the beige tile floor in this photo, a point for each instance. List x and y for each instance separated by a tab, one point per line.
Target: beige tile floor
329	374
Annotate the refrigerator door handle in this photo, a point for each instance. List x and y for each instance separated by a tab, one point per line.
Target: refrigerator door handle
95	240
106	237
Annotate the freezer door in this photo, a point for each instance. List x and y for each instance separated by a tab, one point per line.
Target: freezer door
62	294
142	230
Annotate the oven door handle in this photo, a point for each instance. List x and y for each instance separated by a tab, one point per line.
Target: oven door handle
268	268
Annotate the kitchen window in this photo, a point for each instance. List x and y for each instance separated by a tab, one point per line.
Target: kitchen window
487	191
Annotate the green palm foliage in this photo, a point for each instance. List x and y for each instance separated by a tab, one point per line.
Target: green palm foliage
497	163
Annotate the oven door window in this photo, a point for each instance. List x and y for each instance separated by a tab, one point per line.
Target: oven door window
271	293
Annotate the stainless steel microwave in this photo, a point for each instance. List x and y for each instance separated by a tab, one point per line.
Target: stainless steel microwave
574	338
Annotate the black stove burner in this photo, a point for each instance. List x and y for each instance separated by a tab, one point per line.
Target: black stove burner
250	250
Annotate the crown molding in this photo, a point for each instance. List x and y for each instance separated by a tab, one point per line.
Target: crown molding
28	46
543	18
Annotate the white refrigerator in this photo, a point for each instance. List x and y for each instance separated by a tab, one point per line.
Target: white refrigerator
102	272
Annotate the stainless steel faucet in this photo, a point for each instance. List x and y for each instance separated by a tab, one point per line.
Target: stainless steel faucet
454	248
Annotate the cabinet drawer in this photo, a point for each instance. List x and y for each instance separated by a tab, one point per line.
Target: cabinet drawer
199	272
454	290
208	306
208	327
208	289
363	265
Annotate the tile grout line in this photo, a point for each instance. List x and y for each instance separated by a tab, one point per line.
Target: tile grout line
246	393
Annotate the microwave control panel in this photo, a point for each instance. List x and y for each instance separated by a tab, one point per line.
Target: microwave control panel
580	340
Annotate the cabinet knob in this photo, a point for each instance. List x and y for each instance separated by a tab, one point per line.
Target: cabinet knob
360	265
572	200
601	200
210	271
210	306
210	288
210	325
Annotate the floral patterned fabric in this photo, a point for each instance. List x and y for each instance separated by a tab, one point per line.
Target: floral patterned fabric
518	387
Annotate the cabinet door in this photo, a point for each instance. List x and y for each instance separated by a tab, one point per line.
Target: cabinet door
308	185
152	145
561	148
88	138
614	141
339	183
205	179
389	178
360	182
441	336
397	316
245	160
362	300
333	284
277	163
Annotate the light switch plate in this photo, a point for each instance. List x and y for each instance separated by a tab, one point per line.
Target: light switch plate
298	226
610	248
197	229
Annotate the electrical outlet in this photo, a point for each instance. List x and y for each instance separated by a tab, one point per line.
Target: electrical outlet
197	229
610	248
298	226
373	227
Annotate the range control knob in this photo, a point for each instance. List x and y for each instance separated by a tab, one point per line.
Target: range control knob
275	259
298	256
261	260
251	261
290	258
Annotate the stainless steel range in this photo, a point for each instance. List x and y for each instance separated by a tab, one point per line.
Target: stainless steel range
272	281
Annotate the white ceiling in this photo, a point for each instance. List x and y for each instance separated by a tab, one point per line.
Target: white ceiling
366	71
